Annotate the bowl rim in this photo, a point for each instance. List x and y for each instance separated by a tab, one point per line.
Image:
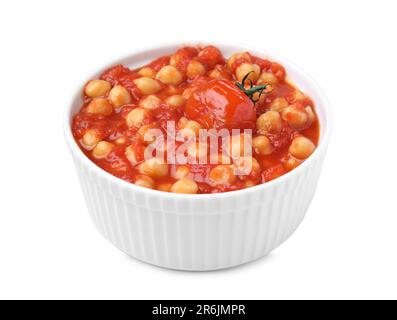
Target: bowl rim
324	140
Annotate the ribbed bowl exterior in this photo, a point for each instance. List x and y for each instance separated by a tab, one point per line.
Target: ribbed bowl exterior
200	232
203	233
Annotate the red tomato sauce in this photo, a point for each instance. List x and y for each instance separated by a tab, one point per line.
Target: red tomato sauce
195	88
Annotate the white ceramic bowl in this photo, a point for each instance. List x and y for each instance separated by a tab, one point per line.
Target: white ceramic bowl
205	231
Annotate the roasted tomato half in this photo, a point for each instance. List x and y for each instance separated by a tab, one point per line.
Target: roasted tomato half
221	104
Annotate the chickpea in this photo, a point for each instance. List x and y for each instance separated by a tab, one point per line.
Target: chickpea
174	60
238	55
267	78
147	85
188	128
310	114
181	172
144	135
90	139
147	72
249	183
278	104
247	166
262	145
245	68
102	149
215	73
119	96
179	58
194	69
269	122
291	163
150	102
185	185
296	117
175	101
166	187
137	116
100	106
222	175
97	88
144	181
298	96
182	122
121	140
171	90
169	75
256	168
259	98
220	72
188	91
301	148
154	168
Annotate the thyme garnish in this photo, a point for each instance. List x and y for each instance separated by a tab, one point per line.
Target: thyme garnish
252	89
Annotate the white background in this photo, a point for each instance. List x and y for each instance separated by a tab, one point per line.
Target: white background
346	246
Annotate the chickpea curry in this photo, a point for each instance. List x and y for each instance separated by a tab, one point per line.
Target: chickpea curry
197	88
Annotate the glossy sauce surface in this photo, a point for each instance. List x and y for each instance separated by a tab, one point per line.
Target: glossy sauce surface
195	88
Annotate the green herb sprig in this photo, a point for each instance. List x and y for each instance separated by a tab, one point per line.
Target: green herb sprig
252	89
